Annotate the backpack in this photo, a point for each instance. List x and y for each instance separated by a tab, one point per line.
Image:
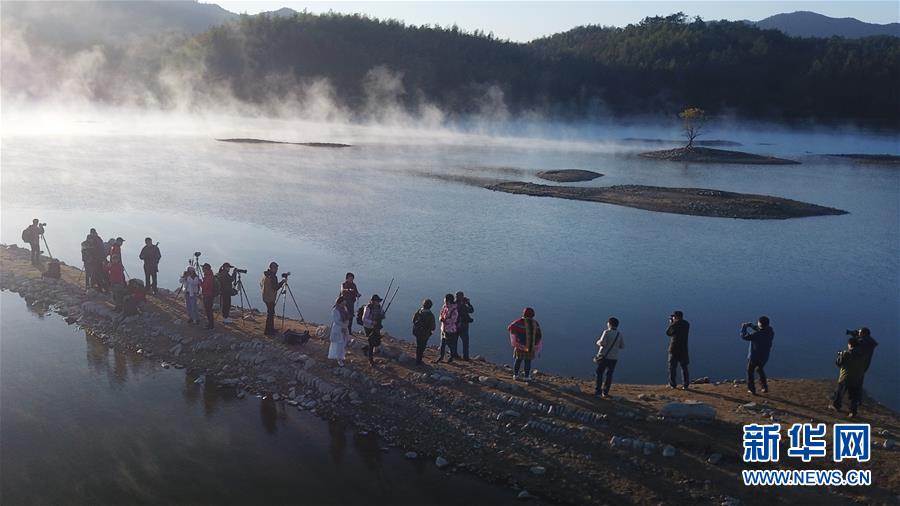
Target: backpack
28	235
359	315
53	269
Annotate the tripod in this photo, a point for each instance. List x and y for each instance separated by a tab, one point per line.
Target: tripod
192	262
46	246
239	285
285	291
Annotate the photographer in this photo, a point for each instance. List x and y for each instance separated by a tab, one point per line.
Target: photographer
865	343
151	256
32	235
226	290
464	308
373	315
760	337
678	331
209	289
270	285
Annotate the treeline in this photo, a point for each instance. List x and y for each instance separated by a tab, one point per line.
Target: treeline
658	66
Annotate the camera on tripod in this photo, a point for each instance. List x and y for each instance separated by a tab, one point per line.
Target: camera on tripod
240	271
285	274
197	254
42	224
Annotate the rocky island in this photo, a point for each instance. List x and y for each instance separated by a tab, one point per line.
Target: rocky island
883	159
709	155
550	442
691	201
307	144
568	175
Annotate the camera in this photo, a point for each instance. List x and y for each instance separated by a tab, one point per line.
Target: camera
285	274
852	333
43	224
241	271
196	253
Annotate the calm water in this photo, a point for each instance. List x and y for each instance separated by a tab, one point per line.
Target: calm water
83	424
402	203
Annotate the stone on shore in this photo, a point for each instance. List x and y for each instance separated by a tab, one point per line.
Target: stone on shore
688	410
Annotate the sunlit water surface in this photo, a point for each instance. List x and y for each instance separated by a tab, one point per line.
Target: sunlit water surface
405	204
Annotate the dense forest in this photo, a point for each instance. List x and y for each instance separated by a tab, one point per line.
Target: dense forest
659	65
656	67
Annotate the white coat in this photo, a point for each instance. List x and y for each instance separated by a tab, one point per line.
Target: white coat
609	345
340	336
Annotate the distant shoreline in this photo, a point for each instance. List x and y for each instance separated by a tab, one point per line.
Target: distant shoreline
241	140
689	201
568	175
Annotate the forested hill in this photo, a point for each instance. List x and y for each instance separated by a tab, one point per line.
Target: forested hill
654	67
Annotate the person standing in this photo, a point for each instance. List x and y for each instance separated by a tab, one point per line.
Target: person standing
32	235
760	337
678	331
226	290
116	247
526	340
209	290
423	326
97	256
270	285
866	343
449	328
464	309
87	258
852	364
191	283
151	256
340	334
373	316
350	295
609	344
116	274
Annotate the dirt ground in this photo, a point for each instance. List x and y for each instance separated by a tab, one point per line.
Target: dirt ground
551	437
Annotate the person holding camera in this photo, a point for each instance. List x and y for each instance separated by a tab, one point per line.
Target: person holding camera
373	316
270	285
350	295
609	344
191	283
423	326
151	256
866	343
226	290
852	364
678	331
209	289
464	308
32	235
760	337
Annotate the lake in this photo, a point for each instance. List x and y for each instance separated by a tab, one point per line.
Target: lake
85	424
404	203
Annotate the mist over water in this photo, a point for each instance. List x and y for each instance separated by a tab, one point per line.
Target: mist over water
404	202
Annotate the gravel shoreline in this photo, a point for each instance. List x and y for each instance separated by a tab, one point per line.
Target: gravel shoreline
549	441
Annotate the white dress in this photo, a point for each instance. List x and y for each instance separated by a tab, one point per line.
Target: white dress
339	336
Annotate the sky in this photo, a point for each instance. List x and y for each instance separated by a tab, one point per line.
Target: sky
522	21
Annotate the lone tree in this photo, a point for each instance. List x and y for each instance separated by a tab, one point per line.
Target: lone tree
693	119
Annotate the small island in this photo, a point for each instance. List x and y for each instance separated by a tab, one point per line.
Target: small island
709	155
568	175
693	124
307	144
690	201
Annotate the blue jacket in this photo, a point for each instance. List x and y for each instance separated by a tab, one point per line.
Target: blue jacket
760	343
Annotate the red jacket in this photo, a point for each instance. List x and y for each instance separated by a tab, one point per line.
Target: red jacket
207	286
117	273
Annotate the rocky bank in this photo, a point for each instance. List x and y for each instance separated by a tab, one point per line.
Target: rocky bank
549	441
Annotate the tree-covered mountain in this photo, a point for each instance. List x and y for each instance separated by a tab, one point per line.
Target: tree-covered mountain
811	24
657	66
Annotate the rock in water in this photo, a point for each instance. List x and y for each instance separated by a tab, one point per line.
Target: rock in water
441	462
412	455
538	470
689	409
715	458
524	496
668	451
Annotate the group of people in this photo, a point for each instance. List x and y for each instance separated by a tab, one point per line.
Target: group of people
104	271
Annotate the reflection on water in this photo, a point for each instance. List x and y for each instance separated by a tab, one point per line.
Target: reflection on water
84	424
369	210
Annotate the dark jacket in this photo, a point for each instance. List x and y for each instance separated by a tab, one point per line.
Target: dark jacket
423	323
151	255
867	347
463	311
853	367
760	343
678	339
226	281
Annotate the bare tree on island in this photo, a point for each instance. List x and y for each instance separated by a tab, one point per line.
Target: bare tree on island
693	120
